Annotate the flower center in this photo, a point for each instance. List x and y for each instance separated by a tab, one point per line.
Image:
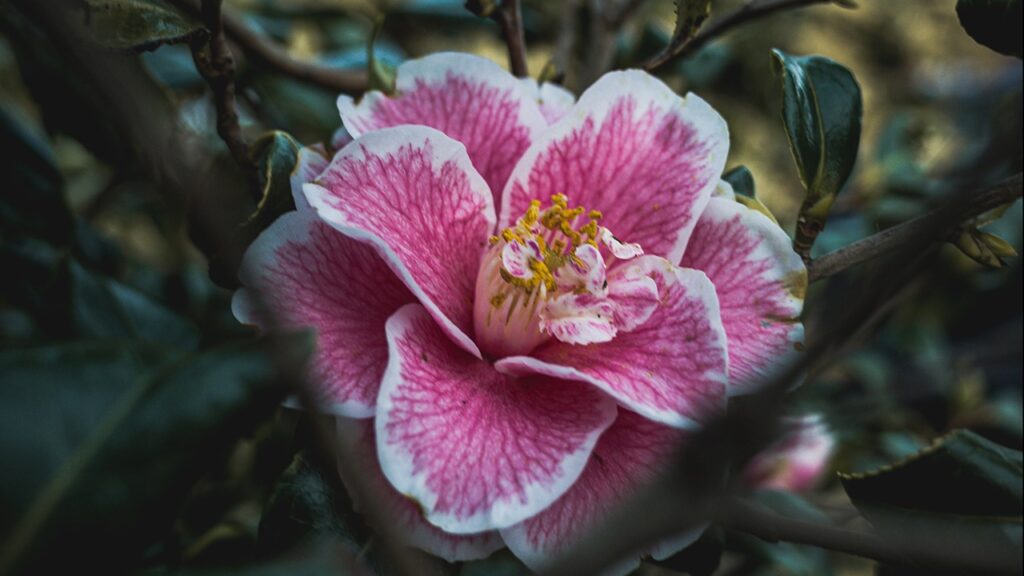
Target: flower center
546	277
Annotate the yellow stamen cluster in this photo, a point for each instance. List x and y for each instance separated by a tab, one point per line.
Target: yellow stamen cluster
555	235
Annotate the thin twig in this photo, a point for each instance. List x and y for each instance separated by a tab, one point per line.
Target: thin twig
509	16
890	239
275	57
217	67
752	10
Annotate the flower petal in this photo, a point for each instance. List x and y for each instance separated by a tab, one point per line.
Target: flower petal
671	369
476	449
760	283
412	193
311	275
555	101
628	456
311	161
469	98
631	148
400	512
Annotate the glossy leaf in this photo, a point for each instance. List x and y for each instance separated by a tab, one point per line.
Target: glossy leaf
741	180
690	16
113	435
993	23
821	110
381	75
137	24
275	154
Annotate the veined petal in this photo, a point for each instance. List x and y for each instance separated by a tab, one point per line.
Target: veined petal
628	456
412	193
671	369
310	275
469	98
760	282
478	450
311	161
402	513
631	148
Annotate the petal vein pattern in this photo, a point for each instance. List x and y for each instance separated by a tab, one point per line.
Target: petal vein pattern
476	449
412	193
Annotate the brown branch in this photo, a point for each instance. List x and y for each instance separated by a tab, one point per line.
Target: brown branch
509	16
217	67
679	47
910	548
276	58
887	240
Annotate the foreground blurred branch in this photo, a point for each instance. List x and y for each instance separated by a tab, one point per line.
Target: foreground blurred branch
275	57
890	239
679	47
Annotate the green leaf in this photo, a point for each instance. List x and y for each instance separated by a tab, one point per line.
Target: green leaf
963	490
741	180
275	154
993	23
137	24
821	110
690	16
110	438
308	504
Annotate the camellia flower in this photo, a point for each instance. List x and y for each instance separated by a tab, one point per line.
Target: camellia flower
796	461
523	302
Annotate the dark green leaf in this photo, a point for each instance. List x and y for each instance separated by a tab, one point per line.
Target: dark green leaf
275	154
117	435
741	180
307	504
690	16
323	559
137	24
382	76
32	202
993	23
821	108
963	490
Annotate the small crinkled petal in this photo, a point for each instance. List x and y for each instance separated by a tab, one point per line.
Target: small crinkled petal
515	258
478	450
412	193
401	513
587	271
671	369
760	283
554	100
635	300
310	275
628	457
579	319
634	150
469	98
311	161
619	249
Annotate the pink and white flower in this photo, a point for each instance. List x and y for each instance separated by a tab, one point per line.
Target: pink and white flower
513	364
796	461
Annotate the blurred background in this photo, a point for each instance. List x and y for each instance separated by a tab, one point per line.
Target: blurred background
94	250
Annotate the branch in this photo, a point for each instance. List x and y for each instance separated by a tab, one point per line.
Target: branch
886	241
276	58
217	67
912	548
509	15
678	47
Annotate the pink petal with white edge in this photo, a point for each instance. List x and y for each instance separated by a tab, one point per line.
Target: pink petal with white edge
627	458
469	98
671	369
478	450
311	161
555	101
631	148
310	275
760	283
399	512
412	193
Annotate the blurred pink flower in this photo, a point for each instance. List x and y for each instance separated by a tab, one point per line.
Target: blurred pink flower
797	461
523	302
